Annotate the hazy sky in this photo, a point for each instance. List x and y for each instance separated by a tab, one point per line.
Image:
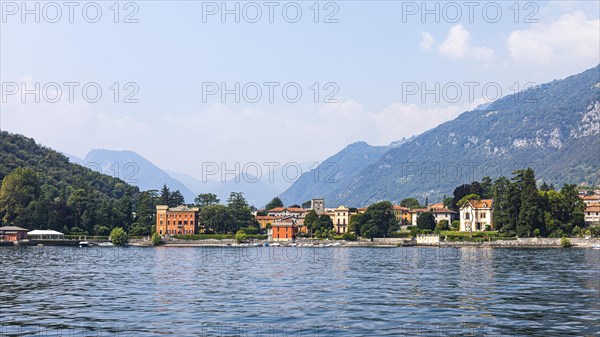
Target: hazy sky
371	60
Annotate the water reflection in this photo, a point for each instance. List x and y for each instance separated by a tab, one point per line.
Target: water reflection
333	291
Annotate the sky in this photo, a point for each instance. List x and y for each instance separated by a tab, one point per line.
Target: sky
186	83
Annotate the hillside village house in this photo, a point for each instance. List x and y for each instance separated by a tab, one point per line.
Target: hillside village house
476	215
176	220
592	213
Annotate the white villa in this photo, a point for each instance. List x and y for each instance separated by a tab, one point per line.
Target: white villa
476	215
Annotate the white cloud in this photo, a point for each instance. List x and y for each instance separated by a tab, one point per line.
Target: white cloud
427	42
572	39
457	45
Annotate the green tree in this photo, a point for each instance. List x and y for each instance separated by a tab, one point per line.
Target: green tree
465	200
312	221
240	236
410	203
458	194
443	224
378	220
487	188
325	222
176	199
504	214
306	204
206	199
119	237
165	195
447	202
276	202
156	239
19	188
241	214
426	220
530	216
217	218
354	225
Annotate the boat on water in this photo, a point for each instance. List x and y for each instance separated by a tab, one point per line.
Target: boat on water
596	247
84	244
105	244
266	244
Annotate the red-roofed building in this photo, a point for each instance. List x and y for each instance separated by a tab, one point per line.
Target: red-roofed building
284	229
592	213
476	215
590	199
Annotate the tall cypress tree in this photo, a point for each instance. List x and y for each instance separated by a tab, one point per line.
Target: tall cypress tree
529	217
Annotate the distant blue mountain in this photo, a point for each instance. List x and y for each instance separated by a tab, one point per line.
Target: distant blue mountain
134	170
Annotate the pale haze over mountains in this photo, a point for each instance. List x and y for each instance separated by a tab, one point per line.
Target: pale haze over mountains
553	128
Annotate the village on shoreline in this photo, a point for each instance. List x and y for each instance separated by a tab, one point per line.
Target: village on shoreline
500	213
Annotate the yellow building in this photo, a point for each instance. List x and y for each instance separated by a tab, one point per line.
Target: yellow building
341	218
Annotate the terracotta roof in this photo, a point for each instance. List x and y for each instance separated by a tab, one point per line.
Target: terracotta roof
416	210
289	209
593	207
436	205
443	210
590	197
402	208
479	203
265	217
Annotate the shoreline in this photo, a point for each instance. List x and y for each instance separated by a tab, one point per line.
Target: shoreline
399	243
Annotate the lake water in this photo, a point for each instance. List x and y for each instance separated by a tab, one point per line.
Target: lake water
276	291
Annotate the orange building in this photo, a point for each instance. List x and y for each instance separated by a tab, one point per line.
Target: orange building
176	220
284	229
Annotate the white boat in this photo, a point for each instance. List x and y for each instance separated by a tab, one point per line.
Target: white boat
105	244
275	244
84	244
596	247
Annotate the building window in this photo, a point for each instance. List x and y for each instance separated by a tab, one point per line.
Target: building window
467	216
161	222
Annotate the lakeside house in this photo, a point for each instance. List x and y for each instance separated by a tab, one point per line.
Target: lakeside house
284	229
401	213
592	213
280	212
12	233
45	234
476	215
415	213
176	220
340	217
444	214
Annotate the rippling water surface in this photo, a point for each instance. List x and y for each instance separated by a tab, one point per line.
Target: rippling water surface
275	291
